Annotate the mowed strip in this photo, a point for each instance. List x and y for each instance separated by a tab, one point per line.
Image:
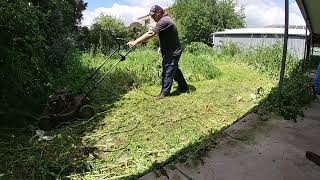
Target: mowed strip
140	131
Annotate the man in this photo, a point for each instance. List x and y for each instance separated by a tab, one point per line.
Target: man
170	50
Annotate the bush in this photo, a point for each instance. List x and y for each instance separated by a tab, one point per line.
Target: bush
36	40
198	48
296	93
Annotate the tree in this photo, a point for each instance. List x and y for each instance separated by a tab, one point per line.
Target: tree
36	39
104	32
83	39
135	30
197	19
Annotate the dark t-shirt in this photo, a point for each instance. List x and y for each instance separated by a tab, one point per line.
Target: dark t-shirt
168	35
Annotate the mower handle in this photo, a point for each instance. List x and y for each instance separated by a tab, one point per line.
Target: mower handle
110	55
122	58
119	40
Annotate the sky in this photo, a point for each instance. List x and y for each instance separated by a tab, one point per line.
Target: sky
259	13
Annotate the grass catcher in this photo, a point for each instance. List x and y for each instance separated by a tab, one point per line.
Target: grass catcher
64	105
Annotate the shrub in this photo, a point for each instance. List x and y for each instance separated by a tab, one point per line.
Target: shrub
36	40
198	48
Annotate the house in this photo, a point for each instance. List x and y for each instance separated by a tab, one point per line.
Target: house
148	21
247	38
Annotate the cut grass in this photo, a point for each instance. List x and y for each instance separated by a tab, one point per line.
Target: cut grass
165	127
136	132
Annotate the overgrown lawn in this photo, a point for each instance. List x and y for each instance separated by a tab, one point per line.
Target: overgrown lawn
133	133
140	131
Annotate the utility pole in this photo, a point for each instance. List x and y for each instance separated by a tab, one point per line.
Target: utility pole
284	51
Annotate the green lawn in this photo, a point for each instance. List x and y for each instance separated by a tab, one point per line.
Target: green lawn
135	132
142	131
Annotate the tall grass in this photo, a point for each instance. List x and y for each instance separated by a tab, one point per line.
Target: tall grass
199	67
197	64
297	89
145	65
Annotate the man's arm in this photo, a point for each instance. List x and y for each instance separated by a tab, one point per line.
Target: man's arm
144	38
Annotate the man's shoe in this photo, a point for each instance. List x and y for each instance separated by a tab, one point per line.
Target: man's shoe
184	90
160	96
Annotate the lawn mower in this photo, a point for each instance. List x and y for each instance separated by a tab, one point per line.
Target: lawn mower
64	105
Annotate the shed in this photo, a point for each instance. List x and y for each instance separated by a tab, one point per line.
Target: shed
247	38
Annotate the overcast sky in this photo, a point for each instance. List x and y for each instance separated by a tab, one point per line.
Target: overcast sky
259	13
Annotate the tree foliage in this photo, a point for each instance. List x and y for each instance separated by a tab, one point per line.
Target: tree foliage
104	31
135	30
197	19
37	37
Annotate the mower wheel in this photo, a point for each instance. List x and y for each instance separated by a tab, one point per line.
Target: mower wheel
86	111
45	123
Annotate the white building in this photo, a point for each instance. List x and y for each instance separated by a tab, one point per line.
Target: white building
247	38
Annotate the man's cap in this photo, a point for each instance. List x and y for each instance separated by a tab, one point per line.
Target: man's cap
154	9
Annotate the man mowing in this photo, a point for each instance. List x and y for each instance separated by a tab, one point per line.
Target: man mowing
170	49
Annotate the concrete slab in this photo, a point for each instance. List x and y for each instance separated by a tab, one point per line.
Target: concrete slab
253	149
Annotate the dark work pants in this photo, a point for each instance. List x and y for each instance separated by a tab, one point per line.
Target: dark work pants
170	71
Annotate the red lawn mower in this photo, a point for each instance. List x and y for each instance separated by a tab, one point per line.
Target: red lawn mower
64	105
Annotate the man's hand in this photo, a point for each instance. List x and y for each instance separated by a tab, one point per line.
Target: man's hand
131	44
144	38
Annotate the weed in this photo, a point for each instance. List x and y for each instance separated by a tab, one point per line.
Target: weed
297	89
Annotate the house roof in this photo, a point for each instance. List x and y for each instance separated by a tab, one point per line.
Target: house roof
279	31
311	14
